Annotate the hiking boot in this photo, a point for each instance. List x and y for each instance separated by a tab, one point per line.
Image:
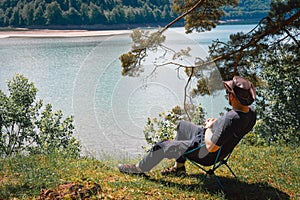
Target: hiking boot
173	171
129	169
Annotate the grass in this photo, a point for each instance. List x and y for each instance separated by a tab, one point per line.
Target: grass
263	173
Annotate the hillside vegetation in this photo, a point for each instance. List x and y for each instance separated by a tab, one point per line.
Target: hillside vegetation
263	173
26	13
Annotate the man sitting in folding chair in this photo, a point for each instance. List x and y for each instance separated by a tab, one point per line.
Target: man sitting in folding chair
205	145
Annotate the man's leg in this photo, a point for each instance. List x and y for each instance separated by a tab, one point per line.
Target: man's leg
186	131
172	149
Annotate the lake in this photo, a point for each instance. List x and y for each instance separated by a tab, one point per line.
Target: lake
82	77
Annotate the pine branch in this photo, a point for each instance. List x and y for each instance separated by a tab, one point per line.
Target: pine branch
181	16
256	38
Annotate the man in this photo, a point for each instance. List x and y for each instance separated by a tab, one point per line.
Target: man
202	145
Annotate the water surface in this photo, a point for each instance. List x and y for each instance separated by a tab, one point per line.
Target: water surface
82	77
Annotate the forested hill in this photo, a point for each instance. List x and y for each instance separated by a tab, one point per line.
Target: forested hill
28	13
248	10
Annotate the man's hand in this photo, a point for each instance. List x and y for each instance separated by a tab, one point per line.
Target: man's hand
209	122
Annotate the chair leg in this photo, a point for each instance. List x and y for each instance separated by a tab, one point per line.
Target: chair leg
219	182
211	172
230	170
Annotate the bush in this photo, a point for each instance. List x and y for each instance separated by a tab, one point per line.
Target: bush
164	127
279	109
25	128
253	138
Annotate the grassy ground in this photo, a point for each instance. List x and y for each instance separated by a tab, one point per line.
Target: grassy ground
263	173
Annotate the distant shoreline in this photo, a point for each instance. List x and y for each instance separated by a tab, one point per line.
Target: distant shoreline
58	31
47	33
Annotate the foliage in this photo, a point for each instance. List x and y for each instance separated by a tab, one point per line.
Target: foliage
83	12
263	173
209	13
267	53
16	112
26	128
92	12
198	115
164	127
243	53
253	138
269	57
280	110
205	16
54	133
143	40
252	10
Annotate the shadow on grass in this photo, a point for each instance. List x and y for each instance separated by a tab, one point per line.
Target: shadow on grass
13	191
233	188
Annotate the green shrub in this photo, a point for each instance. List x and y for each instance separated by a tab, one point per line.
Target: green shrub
26	128
160	129
279	107
164	127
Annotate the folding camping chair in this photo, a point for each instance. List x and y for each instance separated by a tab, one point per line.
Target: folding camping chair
217	163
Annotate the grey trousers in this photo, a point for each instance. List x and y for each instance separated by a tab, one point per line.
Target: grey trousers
188	136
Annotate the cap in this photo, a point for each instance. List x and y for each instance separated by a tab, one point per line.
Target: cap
242	89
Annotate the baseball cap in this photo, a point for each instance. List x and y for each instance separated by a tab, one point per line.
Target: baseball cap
242	89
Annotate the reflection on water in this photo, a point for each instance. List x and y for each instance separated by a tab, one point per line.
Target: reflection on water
82	77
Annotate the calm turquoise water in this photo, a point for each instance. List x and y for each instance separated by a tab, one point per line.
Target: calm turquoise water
82	77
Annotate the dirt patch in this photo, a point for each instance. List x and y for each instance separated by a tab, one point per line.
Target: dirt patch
73	191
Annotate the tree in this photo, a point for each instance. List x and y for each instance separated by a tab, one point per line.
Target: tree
133	3
117	15
279	109
242	55
147	13
28	13
204	16
84	13
130	15
144	41
248	9
143	9
15	17
268	55
96	15
75	4
64	4
53	13
25	128
73	16
2	16
8	12
38	16
166	13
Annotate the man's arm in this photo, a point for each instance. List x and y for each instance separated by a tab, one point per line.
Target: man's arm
210	146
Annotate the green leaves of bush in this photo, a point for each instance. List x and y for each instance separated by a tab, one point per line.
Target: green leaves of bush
164	127
26	128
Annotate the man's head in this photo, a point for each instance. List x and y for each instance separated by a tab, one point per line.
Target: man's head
242	89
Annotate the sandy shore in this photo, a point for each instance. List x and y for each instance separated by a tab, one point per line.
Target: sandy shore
59	33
